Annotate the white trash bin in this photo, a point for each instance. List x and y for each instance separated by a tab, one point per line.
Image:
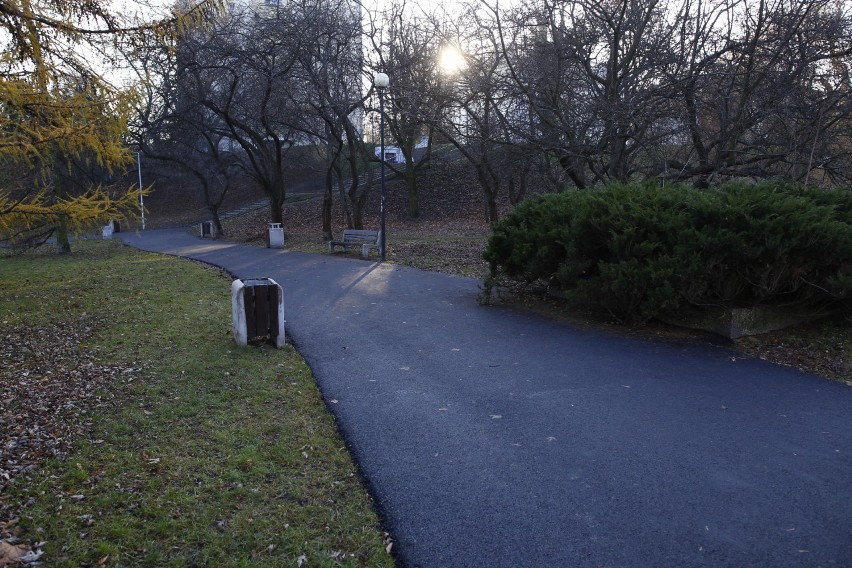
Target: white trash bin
275	236
208	231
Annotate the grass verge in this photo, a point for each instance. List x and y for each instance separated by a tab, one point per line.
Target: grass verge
195	452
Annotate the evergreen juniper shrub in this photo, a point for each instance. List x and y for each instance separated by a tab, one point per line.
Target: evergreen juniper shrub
637	250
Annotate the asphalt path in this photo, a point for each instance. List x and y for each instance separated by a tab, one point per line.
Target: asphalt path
493	437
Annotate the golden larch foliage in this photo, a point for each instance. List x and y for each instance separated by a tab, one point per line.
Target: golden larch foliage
56	102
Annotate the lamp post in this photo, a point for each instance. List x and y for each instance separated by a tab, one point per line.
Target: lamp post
141	201
380	81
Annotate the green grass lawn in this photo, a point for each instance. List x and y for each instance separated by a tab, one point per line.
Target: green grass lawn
196	452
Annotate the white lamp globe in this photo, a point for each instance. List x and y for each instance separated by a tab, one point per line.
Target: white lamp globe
381	80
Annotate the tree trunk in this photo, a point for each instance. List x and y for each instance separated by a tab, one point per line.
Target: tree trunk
344	198
516	197
327	202
331	174
217	222
212	199
489	181
491	214
573	168
277	195
357	218
63	245
61	189
275	214
360	201
411	185
489	193
357	206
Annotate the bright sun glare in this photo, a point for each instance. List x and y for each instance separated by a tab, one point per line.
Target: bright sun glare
451	60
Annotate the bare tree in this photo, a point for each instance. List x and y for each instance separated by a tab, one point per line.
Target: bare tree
175	129
243	71
474	107
760	88
258	87
590	74
331	61
692	90
407	47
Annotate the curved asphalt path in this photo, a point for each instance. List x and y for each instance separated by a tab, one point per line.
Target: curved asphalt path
496	438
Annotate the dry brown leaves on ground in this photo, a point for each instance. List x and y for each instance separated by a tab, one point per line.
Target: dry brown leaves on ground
796	348
49	386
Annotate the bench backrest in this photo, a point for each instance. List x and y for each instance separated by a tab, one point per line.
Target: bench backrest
360	236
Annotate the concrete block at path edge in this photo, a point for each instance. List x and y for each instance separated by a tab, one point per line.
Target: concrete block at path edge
268	316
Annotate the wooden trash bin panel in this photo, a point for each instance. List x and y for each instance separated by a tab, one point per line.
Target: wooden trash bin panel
261	303
258	310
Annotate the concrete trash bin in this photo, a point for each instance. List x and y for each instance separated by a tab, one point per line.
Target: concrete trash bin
257	306
207	230
275	236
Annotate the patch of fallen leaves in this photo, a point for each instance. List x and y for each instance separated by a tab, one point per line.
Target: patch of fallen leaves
820	348
11	554
454	256
50	384
449	235
439	201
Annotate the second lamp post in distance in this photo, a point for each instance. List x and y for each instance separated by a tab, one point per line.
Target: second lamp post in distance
381	81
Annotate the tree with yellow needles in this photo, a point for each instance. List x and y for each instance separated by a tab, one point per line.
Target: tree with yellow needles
58	111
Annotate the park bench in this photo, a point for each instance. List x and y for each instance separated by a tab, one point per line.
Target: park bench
363	238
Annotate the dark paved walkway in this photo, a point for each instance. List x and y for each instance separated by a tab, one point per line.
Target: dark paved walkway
496	438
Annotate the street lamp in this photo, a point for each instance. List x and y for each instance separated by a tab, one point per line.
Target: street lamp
141	201
381	81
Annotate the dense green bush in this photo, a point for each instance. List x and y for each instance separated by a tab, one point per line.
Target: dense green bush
639	250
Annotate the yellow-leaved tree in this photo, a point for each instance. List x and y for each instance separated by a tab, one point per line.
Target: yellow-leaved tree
64	106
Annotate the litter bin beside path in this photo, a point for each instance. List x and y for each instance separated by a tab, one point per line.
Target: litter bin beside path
257	306
275	236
